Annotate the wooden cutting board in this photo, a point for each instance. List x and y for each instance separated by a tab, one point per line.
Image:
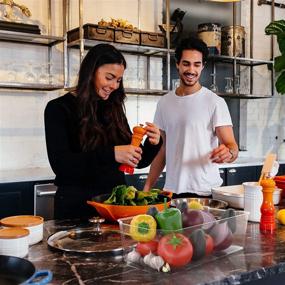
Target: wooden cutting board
267	165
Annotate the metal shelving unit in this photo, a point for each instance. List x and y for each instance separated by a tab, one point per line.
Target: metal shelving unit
147	51
47	41
250	62
84	44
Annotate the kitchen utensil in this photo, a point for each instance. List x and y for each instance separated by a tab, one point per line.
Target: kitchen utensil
15	271
114	212
267	165
33	223
137	137
234	195
212	203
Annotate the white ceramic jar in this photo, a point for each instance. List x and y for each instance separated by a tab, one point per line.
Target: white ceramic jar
33	223
14	241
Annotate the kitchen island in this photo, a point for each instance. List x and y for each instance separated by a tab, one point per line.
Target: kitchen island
263	257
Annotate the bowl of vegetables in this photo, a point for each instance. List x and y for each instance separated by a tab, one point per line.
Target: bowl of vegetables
174	238
127	201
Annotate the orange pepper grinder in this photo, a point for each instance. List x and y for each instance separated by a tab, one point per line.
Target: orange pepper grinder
267	220
137	137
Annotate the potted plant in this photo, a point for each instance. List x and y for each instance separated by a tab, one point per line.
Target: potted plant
278	28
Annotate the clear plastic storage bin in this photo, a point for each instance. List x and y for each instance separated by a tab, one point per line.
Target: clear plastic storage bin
227	236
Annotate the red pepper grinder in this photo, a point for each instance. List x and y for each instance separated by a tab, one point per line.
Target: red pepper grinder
137	137
267	220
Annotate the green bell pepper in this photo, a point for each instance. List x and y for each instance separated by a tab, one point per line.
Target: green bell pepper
169	219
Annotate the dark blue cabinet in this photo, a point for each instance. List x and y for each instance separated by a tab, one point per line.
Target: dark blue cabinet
138	181
17	198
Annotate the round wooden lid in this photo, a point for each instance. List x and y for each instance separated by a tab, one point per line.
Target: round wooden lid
22	221
11	233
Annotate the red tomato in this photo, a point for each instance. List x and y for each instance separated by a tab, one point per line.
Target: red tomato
175	249
209	244
144	248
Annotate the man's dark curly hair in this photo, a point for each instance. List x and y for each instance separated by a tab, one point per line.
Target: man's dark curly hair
194	44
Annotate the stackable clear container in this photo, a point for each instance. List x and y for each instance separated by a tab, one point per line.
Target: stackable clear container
227	233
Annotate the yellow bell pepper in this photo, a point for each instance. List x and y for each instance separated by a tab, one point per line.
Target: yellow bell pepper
143	228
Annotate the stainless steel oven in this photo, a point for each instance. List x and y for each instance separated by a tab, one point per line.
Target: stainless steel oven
44	200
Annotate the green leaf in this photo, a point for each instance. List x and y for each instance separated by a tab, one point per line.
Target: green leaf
279	63
275	27
280	83
281	42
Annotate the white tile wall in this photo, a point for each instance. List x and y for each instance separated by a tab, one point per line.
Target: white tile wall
22	142
264	118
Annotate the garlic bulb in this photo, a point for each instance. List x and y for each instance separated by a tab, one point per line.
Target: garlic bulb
133	256
147	258
165	268
156	262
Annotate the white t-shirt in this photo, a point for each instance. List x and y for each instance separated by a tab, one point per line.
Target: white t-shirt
189	123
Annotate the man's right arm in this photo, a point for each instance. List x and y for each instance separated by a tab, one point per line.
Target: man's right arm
157	166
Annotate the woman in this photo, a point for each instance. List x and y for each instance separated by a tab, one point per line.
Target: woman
88	136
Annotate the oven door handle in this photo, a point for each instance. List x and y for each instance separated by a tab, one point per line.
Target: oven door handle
46	193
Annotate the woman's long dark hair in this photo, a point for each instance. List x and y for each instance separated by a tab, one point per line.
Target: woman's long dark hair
101	122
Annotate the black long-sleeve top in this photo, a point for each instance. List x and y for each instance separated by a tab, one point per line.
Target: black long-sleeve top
96	170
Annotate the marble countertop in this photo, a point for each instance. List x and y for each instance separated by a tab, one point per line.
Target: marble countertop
45	173
262	257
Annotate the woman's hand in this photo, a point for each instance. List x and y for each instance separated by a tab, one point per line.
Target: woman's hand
153	133
128	154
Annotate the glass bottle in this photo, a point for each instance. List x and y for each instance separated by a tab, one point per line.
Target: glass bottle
213	86
237	84
229	86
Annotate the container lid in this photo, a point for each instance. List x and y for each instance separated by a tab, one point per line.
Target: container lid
238	27
22	221
209	25
11	233
103	242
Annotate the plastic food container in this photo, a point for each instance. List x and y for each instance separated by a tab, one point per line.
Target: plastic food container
234	195
14	241
33	223
226	235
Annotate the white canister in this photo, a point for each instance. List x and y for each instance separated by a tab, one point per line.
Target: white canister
33	223
253	198
14	241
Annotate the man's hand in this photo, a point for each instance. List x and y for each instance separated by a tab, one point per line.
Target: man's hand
153	133
222	154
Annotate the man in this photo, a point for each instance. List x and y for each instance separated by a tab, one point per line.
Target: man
196	128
